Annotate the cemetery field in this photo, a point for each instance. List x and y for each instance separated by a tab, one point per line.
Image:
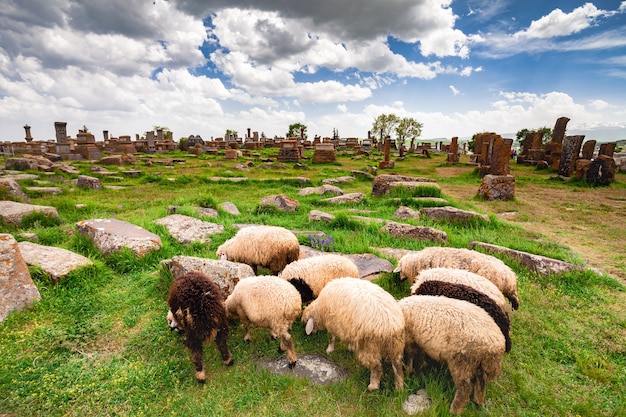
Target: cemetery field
98	344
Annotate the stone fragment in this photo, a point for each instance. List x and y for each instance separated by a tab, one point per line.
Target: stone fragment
12	212
324	189
186	229
405	212
112	235
338	180
13	189
452	214
415	232
316	368
417	403
601	170
382	183
569	154
85	181
497	187
46	190
346	198
320	216
229	208
281	202
111	160
56	262
225	274
370	266
208	212
17	289
21	164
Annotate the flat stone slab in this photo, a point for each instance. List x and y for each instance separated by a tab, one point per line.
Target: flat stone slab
316	368
12	212
112	235
452	214
346	198
46	190
415	232
188	229
17	289
369	265
56	262
321	190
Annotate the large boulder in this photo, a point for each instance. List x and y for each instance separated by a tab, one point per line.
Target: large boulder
12	212
17	289
12	189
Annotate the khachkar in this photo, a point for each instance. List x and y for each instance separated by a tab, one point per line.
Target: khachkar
497	182
63	147
453	152
387	163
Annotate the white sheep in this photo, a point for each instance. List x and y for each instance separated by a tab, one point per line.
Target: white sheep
482	264
366	317
461	276
269	302
271	247
310	275
458	333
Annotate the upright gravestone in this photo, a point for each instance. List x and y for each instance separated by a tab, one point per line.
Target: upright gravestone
17	289
607	149
588	148
453	154
559	129
500	155
569	154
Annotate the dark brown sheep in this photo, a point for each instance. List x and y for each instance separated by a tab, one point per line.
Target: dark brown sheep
197	310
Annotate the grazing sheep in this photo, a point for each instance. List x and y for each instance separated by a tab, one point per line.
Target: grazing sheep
271	247
196	308
310	275
458	333
366	317
270	302
467	293
488	266
461	276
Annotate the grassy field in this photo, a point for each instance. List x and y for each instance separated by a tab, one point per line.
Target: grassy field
98	344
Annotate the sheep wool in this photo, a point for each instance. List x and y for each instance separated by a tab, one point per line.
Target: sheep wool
366	317
271	247
269	302
196	308
310	275
458	333
461	276
482	264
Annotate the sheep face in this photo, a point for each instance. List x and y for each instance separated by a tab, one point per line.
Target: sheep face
171	321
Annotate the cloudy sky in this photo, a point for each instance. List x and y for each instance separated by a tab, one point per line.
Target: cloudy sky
200	66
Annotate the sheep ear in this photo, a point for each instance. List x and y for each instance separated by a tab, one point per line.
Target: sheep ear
309	326
398	269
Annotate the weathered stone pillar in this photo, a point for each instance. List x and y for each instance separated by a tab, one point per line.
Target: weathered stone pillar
387	163
453	154
105	135
28	137
61	131
569	154
500	155
558	133
17	289
497	187
588	148
607	149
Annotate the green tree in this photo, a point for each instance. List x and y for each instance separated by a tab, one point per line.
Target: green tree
295	129
546	134
230	132
408	128
385	124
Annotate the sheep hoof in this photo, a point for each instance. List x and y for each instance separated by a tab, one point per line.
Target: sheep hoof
230	363
200	377
292	364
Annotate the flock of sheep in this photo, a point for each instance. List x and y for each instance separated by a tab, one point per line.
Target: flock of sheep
457	312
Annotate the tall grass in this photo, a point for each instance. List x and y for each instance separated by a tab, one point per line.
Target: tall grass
98	344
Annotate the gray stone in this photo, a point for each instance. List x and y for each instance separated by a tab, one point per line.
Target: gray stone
56	262
111	160
417	403
452	214
17	289
321	190
46	190
112	235
346	198
411	185
318	369
85	181
229	208
186	229
13	189
320	216
338	180
497	187
225	274
281	202
68	169
405	212
208	212
13	212
382	183
370	266
415	232
21	164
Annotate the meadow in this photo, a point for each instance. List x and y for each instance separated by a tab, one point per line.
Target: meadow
98	343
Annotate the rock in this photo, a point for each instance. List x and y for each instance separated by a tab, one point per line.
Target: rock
208	212
601	170
281	202
85	181
112	235
186	229
317	216
68	169
12	212
21	164
13	189
382	183
411	185
452	214
405	212
318	369
229	208
338	180
346	198
46	190
536	263
324	189
415	232
56	262
497	187
111	160
370	266
17	289
417	403
364	175
394	253
225	274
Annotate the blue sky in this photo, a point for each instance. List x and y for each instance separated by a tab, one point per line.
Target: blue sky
201	67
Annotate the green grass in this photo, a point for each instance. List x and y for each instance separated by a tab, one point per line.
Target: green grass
98	343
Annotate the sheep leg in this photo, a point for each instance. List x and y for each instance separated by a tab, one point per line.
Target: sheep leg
376	373
246	325
398	373
197	355
331	344
286	344
221	340
462	396
480	386
410	350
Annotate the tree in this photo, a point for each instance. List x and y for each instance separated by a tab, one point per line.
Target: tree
295	129
385	124
407	128
546	134
230	132
335	133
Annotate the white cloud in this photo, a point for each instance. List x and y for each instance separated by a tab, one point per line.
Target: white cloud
599	104
454	90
